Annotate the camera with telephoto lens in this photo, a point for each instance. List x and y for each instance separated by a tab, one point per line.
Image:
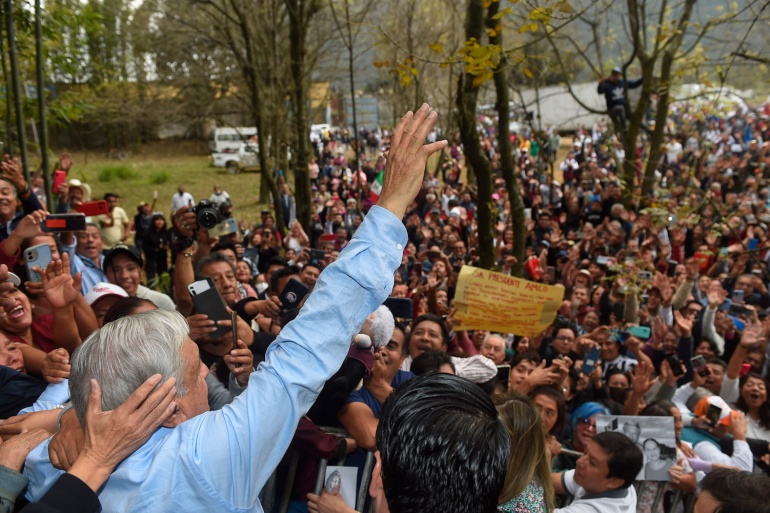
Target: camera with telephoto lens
208	214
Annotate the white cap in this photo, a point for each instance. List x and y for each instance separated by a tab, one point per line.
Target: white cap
14	279
588	140
103	289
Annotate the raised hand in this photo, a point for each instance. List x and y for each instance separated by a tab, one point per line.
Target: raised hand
684	324
406	160
716	294
641	378
61	289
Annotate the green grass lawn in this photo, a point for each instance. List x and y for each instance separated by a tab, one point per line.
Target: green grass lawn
162	169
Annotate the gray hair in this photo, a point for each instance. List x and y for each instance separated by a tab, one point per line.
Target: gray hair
494	335
209	259
124	353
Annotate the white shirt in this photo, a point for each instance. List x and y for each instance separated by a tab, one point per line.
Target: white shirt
476	369
181	200
620	500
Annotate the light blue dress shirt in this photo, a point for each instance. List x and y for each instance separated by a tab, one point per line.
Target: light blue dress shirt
54	395
92	275
219	461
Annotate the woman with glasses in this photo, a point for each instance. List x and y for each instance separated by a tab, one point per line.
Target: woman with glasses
583	430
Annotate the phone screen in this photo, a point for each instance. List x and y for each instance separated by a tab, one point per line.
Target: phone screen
699	365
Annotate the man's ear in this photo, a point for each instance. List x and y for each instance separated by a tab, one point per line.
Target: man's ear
376	489
614	483
175	419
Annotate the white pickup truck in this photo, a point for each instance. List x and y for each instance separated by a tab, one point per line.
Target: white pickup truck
234	161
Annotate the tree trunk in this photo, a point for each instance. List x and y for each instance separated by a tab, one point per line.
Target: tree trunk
299	17
467	98
507	166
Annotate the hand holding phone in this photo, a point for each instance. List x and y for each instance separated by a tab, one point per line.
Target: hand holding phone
234	322
699	366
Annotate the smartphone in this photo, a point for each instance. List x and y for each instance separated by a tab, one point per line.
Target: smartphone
745	369
753	243
738	310
226	227
234	320
619	336
737	297
434	254
604	260
699	366
37	256
713	414
207	300
671	269
400	307
551	272
55	223
317	254
93	208
503	373
641	332
645	275
591	360
59	177
292	294
527	214
675	364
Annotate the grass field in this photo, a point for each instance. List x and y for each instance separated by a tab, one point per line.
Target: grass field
162	168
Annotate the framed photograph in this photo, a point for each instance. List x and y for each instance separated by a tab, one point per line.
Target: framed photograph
654	436
342	481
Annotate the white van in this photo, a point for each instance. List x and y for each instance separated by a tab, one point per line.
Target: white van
229	139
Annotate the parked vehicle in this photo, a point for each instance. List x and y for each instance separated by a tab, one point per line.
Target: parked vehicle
230	138
245	157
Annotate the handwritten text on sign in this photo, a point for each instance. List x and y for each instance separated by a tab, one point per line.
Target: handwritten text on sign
497	302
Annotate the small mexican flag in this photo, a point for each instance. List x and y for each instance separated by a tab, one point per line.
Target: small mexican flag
376	187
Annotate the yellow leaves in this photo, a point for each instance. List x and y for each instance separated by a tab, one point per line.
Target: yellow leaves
528	72
565	7
492	32
542	14
502	13
404	70
436	47
480	60
529	27
480	79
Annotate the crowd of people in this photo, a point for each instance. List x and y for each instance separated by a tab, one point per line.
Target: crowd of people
666	313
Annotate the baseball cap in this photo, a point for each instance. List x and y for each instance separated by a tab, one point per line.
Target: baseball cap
131	252
703	405
616	69
13	279
103	289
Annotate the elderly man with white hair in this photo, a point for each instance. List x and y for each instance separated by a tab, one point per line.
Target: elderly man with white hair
201	461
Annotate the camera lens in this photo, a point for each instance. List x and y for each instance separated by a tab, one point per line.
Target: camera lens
207	219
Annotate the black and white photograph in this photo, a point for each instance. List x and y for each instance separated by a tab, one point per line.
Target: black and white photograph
654	436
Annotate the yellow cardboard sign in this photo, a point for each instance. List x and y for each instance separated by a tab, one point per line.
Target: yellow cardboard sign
492	301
